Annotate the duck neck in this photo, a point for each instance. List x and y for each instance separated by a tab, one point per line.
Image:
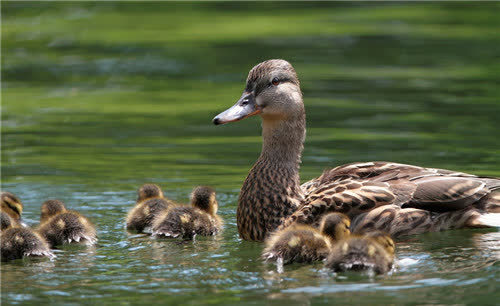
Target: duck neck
271	191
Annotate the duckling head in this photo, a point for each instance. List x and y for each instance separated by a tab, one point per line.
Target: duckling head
272	90
383	240
335	225
149	191
6	221
11	205
203	197
51	208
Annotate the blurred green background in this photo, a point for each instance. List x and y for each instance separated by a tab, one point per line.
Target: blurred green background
98	98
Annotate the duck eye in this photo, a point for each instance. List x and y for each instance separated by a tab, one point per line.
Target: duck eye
275	81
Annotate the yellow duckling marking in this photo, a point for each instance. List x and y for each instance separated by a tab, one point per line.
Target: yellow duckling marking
371	250
146	210
345	248
294	241
317	236
83	220
61	224
185	218
19	239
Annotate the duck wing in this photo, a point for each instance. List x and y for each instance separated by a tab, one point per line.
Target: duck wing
360	187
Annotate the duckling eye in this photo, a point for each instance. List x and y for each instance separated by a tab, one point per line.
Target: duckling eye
275	81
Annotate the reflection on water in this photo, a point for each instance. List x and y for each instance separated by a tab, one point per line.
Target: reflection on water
94	106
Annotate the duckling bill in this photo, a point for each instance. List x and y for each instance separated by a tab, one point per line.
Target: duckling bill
187	221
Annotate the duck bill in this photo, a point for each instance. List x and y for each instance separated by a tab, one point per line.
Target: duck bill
245	107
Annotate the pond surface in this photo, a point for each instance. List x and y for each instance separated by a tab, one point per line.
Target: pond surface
99	98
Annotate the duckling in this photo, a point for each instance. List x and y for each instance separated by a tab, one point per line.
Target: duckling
18	242
187	221
59	225
150	203
371	252
303	243
12	206
149	191
384	240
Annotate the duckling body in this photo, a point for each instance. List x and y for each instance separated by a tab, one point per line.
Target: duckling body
360	254
303	243
61	226
271	196
18	242
150	203
142	216
187	221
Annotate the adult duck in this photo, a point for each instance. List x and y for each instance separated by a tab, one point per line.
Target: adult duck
272	196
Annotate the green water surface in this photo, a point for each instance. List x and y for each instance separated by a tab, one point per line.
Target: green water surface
99	98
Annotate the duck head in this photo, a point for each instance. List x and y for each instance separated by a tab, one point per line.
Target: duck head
203	197
272	91
149	191
335	225
384	240
11	205
51	208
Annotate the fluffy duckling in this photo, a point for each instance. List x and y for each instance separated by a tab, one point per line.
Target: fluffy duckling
384	240
148	192
371	252
18	242
150	203
187	221
12	206
6	221
303	243
59	225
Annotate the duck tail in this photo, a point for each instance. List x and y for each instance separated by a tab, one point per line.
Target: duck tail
488	220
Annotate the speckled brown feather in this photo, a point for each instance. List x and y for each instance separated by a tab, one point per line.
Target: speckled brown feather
399	221
360	187
268	195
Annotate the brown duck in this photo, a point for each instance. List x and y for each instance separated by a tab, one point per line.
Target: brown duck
200	218
304	243
272	196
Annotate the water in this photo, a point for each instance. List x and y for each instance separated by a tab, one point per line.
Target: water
99	98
